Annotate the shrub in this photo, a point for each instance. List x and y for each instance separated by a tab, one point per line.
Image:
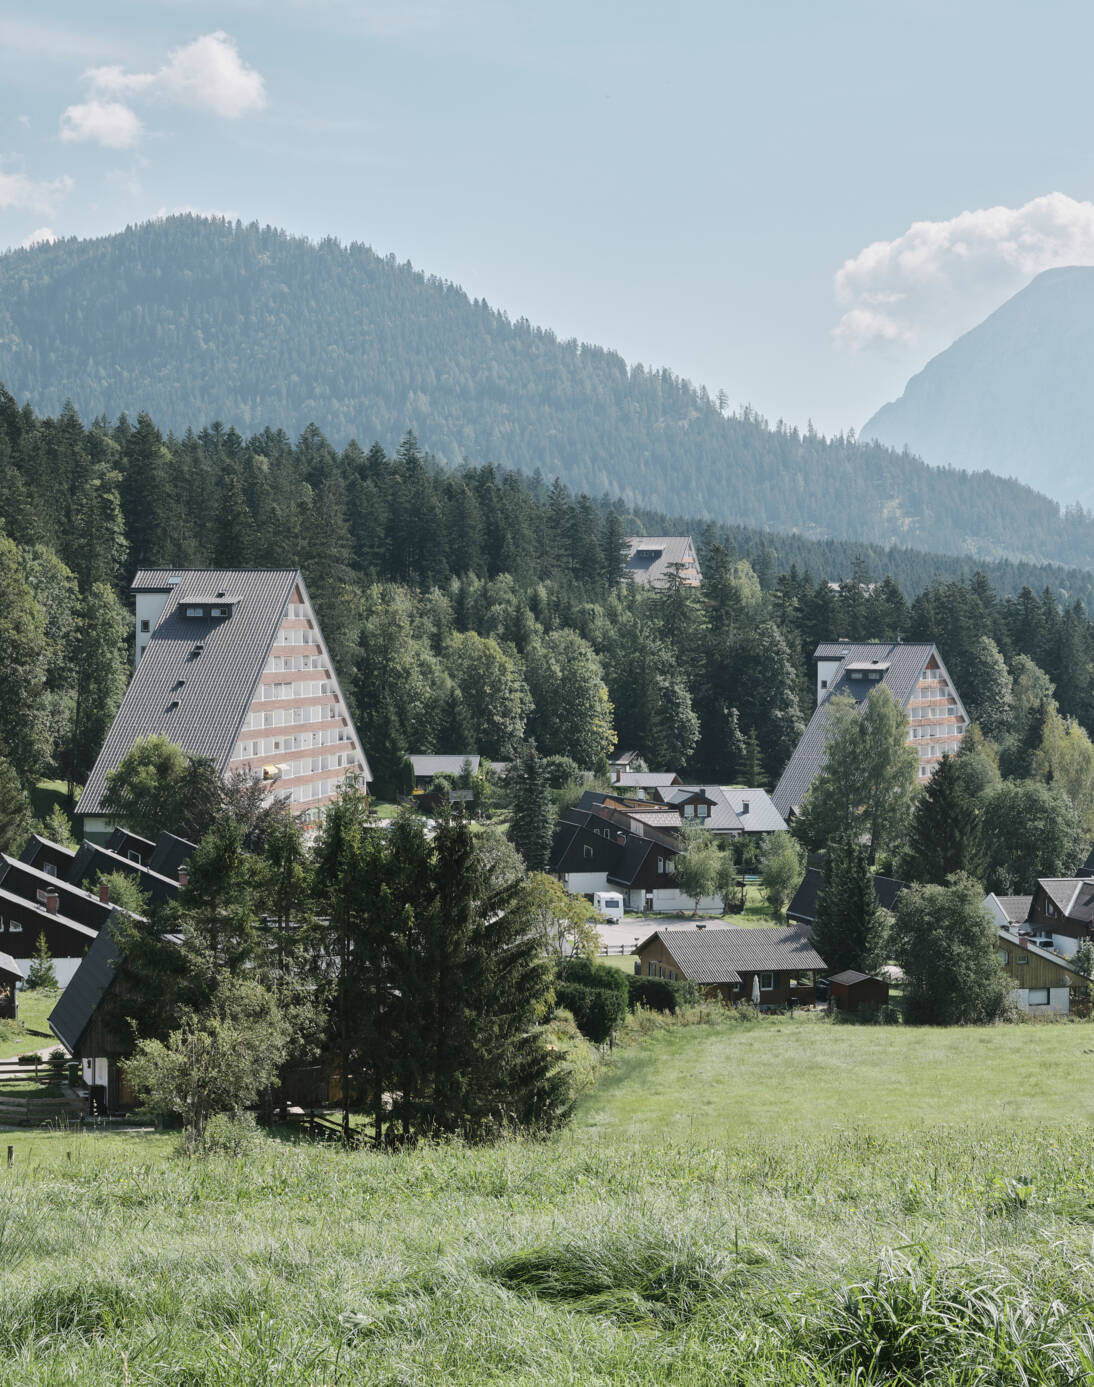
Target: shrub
231	1134
597	1011
596	995
57	1059
658	994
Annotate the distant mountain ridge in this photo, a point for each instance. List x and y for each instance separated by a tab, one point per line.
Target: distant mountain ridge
1013	394
200	320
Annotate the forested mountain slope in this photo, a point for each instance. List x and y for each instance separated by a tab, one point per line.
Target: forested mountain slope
1013	394
197	320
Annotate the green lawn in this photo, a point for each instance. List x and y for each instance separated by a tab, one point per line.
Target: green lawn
791	1077
699	1225
34	1008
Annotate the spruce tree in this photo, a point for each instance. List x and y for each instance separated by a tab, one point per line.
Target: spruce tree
533	823
41	972
850	927
943	836
752	766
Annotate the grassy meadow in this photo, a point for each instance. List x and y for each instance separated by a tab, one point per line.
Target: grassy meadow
774	1202
34	1009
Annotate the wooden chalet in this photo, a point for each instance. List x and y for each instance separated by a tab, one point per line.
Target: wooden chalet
1044	982
729	961
803	908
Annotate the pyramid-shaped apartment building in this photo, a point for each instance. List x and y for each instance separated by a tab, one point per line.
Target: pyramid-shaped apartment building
231	664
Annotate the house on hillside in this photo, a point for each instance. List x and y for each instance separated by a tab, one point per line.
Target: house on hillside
729	961
755	811
643	783
47	856
231	664
1043	981
11	975
427	768
1058	916
916	677
654	560
803	908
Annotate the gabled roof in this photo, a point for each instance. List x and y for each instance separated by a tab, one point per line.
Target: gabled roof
94	858
21	880
199	701
1073	896
1028	947
645	780
803	908
903	669
1015	908
722	817
170	853
711	956
670	550
762	816
85	932
39	840
77	1004
442	765
849	977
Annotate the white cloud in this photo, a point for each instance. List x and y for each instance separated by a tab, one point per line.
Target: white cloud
207	74
31	195
108	122
939	279
44	236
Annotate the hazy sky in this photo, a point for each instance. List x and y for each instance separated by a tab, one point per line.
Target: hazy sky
796	202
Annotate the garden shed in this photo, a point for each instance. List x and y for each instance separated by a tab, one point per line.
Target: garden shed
852	991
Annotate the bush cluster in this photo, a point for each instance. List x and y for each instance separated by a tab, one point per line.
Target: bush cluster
595	994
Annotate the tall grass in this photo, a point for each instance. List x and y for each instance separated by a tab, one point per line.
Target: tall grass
954	1254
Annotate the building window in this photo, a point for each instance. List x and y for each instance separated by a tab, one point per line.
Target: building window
824	683
661	865
195	611
146	626
701	810
588	850
651	969
1003	956
767	982
689	811
1038	996
15	927
1021	960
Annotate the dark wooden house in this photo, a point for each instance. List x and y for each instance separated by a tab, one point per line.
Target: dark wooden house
852	991
731	961
11	975
803	908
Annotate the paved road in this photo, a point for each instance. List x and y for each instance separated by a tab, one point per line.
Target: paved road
635	928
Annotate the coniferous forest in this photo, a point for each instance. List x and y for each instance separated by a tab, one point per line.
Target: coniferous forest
475	610
196	320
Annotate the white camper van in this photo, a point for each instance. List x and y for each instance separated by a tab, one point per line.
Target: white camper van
609	904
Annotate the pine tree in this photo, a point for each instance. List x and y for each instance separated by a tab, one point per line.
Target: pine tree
533	822
752	766
943	836
850	928
14	810
41	973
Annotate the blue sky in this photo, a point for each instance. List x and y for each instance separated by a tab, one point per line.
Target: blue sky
798	203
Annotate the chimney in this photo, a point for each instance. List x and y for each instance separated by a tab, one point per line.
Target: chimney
52	902
104	892
184	877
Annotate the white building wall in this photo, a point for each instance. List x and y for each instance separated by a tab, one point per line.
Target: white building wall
150	607
1059	1001
1064	944
825	670
671	901
586	883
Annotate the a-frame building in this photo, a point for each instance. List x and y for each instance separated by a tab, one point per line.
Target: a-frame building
916	677
231	664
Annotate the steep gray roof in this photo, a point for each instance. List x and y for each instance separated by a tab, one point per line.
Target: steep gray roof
442	765
762	816
1015	908
644	780
905	665
803	908
675	549
218	684
1073	896
720	955
85	932
721	819
72	1015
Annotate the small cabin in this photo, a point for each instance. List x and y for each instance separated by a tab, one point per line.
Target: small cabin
852	991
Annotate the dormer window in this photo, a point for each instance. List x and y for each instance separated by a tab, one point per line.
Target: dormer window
744	806
195	611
